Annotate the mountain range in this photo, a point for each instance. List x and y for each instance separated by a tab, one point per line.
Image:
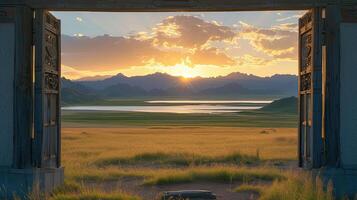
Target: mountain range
157	85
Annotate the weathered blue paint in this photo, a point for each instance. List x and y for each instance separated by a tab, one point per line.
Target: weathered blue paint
7	58
342	181
18	174
348	97
21	182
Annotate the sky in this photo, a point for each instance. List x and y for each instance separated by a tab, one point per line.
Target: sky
189	44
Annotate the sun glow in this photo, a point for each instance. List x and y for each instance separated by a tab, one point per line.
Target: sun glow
185	71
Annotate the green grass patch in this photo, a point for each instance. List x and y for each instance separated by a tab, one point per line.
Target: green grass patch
98	175
177	159
215	174
243	119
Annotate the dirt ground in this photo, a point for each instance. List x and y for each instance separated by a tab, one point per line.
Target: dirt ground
223	191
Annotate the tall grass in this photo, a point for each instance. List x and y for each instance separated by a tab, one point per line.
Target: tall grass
297	186
75	191
151	156
95	195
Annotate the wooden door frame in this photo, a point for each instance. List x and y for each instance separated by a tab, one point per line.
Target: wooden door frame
217	5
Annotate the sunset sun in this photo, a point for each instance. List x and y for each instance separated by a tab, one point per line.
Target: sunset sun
183	70
186	71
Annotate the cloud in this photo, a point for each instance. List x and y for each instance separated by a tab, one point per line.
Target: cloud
78	35
186	40
79	19
189	32
279	42
178	39
288	18
293	27
212	56
110	53
249	60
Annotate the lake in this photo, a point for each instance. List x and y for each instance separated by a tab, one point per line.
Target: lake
182	106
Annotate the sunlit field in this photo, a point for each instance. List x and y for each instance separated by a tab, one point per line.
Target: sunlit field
149	156
133	155
86	144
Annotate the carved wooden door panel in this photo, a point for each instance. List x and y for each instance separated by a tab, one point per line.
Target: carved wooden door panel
47	90
310	81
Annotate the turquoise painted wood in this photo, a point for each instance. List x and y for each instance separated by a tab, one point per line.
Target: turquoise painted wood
348	96
7	58
332	87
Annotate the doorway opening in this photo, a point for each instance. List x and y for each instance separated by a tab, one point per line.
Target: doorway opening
187	103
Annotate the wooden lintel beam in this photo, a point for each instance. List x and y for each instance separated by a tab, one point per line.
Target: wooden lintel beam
174	5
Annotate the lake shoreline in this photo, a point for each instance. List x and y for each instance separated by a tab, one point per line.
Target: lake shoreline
178	106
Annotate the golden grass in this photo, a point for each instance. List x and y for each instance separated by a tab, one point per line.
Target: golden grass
86	144
76	191
297	186
94	195
105	154
84	148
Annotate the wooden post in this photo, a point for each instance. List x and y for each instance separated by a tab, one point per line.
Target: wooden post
23	85
316	92
332	76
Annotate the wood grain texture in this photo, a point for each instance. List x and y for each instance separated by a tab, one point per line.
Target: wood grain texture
47	112
332	97
176	5
38	110
316	106
310	93
23	88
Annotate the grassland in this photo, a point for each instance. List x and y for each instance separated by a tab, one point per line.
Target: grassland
114	156
119	119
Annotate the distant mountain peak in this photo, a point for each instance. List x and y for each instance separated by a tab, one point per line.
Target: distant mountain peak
233	84
120	75
93	78
240	75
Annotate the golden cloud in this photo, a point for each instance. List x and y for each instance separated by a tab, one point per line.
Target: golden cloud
175	40
189	32
279	41
249	60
